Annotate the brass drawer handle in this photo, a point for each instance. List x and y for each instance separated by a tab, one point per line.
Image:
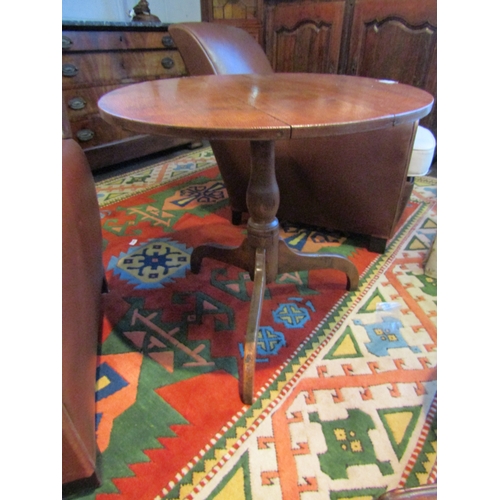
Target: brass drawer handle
69	70
168	42
85	135
167	63
66	42
77	103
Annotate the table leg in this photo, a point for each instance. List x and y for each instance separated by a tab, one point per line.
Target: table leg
263	254
263	226
258	254
253	327
289	261
263	234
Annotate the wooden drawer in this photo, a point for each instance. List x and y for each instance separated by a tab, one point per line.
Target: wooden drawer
101	68
100	57
93	131
115	40
81	102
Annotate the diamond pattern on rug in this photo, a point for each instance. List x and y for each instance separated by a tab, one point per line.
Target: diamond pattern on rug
152	264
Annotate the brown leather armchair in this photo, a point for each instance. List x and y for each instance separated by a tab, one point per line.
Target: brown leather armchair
82	283
355	183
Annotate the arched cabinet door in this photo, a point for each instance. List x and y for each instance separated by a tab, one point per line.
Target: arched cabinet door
304	36
244	14
396	40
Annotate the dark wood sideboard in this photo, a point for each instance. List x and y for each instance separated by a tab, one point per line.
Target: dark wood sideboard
386	39
98	57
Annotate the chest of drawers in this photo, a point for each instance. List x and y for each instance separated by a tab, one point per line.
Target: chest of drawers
99	57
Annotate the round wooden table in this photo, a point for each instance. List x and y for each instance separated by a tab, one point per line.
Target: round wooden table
263	109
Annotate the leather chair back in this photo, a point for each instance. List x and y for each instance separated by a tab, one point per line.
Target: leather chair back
216	51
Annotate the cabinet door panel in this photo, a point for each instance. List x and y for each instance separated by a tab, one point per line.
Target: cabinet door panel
391	42
244	14
305	36
396	40
234	9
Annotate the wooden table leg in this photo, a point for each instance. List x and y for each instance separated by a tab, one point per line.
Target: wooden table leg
258	253
242	256
263	254
290	260
263	226
250	353
263	235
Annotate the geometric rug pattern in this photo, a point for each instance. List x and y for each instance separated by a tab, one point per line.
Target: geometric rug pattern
346	404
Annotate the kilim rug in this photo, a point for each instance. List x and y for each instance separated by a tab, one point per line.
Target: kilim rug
345	381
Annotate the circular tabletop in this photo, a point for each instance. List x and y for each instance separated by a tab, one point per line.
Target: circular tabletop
263	107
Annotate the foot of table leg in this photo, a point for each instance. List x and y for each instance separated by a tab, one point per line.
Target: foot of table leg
249	356
242	256
289	261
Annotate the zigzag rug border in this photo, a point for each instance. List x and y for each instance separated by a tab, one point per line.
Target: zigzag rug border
420	446
288	373
425	180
